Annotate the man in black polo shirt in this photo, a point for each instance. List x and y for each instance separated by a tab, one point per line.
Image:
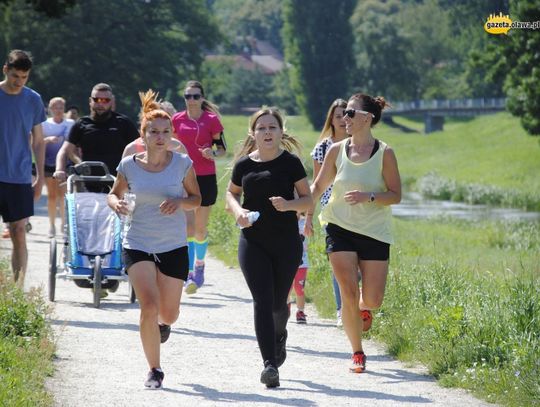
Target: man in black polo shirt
102	136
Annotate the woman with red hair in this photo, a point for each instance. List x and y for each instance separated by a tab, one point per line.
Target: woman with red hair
155	245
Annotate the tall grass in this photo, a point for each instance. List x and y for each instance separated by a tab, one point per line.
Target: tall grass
464	299
26	348
434	186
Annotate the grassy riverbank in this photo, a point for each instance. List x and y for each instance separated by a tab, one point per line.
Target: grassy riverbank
26	349
487	159
463	298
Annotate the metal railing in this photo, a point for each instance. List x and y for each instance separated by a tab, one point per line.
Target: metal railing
448	104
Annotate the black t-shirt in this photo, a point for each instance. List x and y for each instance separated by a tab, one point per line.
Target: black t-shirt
262	180
103	141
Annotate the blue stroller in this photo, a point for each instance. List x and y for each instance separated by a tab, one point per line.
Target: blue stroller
92	238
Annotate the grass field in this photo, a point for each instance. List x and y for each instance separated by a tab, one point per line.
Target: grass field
463	298
489	150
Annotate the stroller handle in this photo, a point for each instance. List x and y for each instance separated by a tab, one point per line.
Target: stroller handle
82	171
84	168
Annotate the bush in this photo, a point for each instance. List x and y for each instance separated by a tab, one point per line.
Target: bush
434	186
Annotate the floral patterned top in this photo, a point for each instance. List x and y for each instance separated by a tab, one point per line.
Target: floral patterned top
318	154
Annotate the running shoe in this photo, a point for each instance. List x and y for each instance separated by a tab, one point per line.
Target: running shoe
358	363
301	317
367	317
198	274
52	231
155	379
113	287
281	349
164	331
270	375
189	286
339	321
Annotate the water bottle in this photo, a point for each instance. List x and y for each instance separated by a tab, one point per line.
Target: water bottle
129	197
252	217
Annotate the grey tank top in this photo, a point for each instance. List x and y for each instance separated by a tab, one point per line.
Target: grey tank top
151	231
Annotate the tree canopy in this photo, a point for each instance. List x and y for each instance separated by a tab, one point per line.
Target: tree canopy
132	45
319	51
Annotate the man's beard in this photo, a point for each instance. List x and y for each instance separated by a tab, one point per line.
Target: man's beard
101	117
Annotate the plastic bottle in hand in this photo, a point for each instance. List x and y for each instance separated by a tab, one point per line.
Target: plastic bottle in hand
129	197
252	217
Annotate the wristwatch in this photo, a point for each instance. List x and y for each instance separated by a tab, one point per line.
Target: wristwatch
372	197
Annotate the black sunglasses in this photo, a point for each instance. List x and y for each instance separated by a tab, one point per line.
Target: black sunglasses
196	96
352	112
101	100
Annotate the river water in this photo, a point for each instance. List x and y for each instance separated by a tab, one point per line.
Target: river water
413	205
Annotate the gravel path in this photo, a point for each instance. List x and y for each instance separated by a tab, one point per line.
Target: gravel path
211	358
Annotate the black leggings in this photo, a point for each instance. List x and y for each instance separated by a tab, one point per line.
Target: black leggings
269	265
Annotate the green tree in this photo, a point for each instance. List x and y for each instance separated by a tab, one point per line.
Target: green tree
241	19
52	8
523	81
281	94
233	87
131	45
382	51
317	41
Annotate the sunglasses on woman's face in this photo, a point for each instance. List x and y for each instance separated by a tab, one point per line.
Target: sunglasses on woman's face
352	112
196	96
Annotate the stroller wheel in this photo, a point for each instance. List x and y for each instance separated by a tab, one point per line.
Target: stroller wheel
97	281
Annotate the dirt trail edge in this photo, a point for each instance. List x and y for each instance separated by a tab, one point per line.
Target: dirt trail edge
211	358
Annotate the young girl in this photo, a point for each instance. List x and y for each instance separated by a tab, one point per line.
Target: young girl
300	277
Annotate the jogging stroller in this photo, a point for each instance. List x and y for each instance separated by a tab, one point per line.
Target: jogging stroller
91	254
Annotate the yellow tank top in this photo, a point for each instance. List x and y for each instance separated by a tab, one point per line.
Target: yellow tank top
368	218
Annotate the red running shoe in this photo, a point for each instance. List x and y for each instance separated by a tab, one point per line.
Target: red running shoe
301	317
358	363
367	317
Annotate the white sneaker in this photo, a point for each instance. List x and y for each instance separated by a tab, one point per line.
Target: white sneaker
339	322
52	231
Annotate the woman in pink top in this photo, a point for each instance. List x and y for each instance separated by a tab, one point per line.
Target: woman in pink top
200	130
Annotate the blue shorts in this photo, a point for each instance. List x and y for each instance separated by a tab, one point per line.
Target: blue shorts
16	201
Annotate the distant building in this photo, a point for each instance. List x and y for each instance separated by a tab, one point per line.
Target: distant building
259	54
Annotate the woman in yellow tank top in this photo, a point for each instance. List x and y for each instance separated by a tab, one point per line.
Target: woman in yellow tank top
366	181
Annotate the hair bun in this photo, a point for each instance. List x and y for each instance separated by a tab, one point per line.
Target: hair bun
380	101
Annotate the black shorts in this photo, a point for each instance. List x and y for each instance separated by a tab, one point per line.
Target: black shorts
174	263
16	201
208	187
343	240
49	170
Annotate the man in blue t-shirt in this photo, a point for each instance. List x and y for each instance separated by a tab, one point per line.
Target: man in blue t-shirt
21	115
